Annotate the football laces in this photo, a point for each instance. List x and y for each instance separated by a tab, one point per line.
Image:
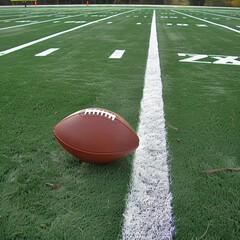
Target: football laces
94	111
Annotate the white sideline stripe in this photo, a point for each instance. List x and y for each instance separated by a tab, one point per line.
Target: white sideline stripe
216	24
57	34
46	52
148	213
117	54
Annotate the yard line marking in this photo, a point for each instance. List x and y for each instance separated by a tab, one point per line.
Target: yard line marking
224	16
57	34
117	54
201	25
46	52
23	25
216	24
182	24
27	24
148	213
75	22
23	21
24	17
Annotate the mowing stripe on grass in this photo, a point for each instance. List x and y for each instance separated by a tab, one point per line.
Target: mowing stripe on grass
57	34
216	24
148	213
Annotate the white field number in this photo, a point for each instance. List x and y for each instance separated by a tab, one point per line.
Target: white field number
214	59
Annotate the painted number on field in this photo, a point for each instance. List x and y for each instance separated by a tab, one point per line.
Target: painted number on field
214	59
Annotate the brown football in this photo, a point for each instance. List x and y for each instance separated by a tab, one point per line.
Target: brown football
96	135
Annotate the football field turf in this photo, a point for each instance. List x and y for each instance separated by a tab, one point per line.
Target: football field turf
55	61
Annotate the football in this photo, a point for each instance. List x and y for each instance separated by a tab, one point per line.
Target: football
96	135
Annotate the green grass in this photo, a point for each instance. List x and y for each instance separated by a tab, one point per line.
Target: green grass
201	101
36	94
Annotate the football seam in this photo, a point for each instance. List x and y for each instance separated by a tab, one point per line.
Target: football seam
132	131
102	153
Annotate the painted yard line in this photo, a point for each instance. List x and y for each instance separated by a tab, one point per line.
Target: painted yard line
216	24
224	16
32	23
148	213
117	54
46	52
24	17
75	22
57	34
